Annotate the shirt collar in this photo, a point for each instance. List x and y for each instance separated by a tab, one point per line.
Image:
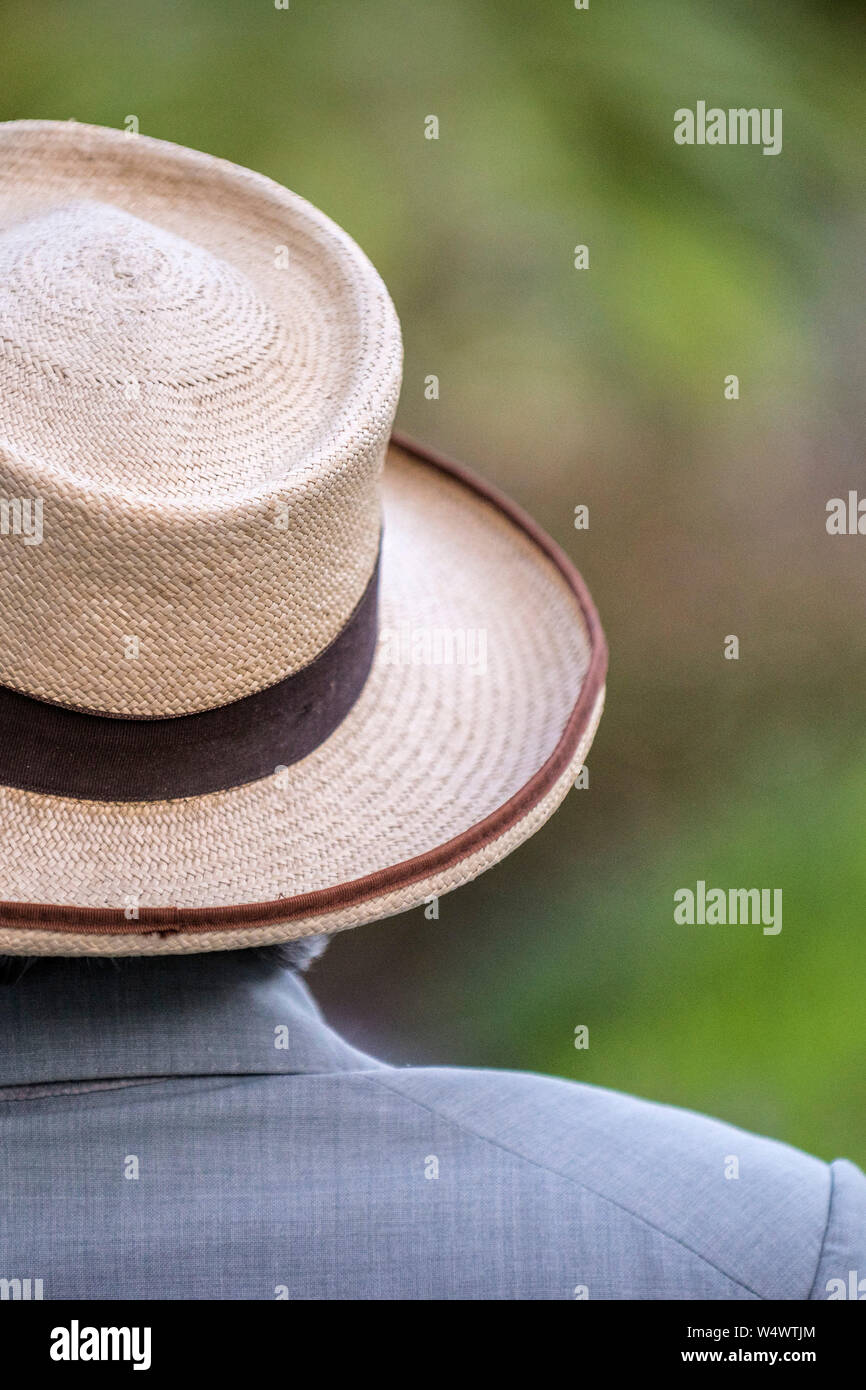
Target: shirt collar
220	1013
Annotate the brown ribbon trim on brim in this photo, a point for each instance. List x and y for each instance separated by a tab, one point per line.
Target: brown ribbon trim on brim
65	752
322	902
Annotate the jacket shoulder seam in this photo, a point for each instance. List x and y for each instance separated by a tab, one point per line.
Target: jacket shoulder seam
564	1177
830	1197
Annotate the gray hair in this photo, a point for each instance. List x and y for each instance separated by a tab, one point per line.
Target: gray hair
298	954
295	955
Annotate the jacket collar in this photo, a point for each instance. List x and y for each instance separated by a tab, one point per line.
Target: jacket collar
220	1013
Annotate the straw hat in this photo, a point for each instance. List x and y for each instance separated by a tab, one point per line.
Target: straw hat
265	669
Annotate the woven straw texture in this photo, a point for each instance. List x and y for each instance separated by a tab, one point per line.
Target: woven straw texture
435	744
198	377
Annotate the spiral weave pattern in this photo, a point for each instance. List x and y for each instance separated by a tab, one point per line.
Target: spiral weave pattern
198	378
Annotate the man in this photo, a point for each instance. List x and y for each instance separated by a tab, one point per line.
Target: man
268	672
192	1129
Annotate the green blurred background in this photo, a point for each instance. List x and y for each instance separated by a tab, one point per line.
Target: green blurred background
604	387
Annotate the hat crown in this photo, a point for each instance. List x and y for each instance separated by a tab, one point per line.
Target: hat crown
90	257
87	254
161	345
198	378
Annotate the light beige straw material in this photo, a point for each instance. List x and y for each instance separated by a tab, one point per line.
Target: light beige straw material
194	360
488	681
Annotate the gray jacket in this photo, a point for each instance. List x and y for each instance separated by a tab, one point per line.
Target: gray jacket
191	1129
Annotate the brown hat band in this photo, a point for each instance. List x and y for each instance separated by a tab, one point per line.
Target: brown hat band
66	752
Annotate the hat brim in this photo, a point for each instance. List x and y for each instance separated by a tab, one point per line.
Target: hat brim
478	712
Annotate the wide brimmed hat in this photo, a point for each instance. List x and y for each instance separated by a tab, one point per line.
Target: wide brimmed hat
266	669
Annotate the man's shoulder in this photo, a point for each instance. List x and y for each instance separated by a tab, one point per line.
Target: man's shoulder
756	1209
584	1130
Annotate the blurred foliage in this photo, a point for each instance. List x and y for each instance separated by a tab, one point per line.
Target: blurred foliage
605	387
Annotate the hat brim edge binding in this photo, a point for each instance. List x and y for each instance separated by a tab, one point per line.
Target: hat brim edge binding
378	887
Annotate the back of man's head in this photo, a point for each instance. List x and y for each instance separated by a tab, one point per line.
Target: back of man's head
295	955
